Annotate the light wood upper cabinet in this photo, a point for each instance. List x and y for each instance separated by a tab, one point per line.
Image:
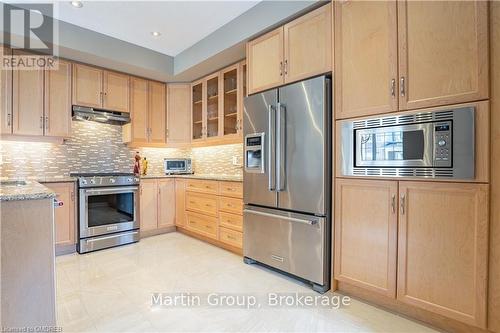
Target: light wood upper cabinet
180	202
366	65
452	66
64	216
166	202
157	114
116	91
27	102
139	110
87	86
6	97
58	100
148	204
178	113
296	51
97	88
265	61
443	249
308	45
366	239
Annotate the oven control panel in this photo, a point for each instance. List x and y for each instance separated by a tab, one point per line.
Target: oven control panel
100	181
443	144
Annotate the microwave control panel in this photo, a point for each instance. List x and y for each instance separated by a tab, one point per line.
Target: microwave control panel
443	144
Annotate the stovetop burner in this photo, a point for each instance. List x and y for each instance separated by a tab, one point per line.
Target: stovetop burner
101	174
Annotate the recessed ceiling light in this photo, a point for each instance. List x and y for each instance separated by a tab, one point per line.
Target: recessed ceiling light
77	4
155	33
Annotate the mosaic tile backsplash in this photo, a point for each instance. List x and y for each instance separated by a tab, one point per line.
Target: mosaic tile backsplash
95	147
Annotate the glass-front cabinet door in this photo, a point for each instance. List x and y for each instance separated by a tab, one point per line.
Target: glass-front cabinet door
197	111
230	100
243	93
212	115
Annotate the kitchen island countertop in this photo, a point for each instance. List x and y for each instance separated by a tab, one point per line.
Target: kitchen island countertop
24	190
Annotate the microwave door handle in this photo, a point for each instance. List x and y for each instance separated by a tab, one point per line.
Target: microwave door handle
271	149
280	141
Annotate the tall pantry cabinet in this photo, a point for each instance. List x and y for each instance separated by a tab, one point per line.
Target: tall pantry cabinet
389	63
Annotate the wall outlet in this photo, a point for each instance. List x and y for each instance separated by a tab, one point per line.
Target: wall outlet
236	161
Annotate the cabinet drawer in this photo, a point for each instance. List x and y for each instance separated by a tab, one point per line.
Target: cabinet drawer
202	224
231	189
231	221
201	203
231	237
231	205
203	186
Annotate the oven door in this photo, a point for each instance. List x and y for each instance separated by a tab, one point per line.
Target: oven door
395	146
107	210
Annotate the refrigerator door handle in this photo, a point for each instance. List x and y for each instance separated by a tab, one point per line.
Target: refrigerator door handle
271	149
288	218
280	142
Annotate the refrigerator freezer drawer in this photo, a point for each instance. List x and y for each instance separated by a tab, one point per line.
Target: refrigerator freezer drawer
294	243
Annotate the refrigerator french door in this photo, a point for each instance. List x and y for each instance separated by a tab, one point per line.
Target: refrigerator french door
287	180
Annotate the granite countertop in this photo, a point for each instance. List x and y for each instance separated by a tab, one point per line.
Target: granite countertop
229	178
24	190
48	179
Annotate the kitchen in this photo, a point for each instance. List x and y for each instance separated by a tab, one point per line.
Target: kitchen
296	147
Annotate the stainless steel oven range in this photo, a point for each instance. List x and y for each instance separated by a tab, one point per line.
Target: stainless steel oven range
107	210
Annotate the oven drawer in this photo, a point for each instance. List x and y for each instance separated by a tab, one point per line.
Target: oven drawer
202	186
202	224
231	205
231	189
231	237
201	203
231	221
107	241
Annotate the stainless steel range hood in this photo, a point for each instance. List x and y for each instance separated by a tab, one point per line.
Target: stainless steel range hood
101	116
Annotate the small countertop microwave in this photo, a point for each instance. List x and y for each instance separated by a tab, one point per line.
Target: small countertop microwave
177	166
425	144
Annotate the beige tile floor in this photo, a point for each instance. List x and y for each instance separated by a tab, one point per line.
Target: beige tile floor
110	291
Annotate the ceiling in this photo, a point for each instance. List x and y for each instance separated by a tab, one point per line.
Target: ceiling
181	23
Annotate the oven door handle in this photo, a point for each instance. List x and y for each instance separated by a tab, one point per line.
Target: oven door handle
116	190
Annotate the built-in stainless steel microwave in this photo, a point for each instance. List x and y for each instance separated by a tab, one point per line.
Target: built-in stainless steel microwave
177	166
424	144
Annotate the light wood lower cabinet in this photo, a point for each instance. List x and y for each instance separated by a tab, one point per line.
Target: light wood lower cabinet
210	213
442	243
166	202
202	203
64	216
180	202
157	204
366	223
443	249
148	204
203	224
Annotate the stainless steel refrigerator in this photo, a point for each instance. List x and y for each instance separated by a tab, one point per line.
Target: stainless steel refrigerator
287	180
